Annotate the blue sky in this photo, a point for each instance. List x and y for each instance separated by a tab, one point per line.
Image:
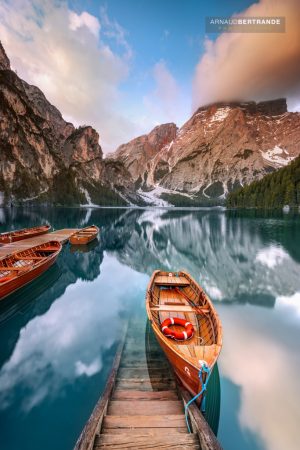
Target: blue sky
125	66
172	31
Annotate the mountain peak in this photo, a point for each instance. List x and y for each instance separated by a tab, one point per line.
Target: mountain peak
4	60
269	107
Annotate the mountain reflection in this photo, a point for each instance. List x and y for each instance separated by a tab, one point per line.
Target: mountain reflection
234	258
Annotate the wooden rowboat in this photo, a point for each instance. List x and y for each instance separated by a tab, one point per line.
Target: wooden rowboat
177	295
20	268
25	233
85	235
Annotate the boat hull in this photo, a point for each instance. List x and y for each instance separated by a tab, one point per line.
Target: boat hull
84	236
9	287
7	239
82	240
164	299
185	372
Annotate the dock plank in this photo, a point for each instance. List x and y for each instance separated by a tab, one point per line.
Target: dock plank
144	395
147	408
144	421
126	441
61	236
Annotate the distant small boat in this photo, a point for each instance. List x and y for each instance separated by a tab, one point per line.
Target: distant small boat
84	236
20	268
25	233
186	325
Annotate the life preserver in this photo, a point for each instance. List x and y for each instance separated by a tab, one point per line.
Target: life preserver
4	279
178	335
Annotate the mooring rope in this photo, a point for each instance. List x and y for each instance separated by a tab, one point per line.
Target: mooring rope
204	368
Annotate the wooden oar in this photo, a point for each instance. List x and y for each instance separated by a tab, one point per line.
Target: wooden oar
198	309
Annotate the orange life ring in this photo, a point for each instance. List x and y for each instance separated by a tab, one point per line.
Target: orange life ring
178	335
4	279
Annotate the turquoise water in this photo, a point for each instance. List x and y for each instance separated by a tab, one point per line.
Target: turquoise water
58	335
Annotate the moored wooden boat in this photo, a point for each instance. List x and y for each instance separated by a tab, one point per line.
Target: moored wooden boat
25	233
20	268
177	295
85	235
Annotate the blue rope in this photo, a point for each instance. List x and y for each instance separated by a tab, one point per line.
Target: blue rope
204	368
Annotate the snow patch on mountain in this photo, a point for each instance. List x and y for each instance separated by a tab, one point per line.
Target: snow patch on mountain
153	197
220	115
277	156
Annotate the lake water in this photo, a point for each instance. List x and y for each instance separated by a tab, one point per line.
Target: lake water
58	335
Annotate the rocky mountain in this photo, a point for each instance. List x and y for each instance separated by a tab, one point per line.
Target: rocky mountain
223	146
136	154
46	159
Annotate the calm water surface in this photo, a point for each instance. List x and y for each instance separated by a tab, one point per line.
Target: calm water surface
58	336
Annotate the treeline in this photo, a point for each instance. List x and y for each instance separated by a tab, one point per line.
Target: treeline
275	190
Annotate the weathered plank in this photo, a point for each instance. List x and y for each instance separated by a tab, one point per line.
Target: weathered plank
148	408
160	373
144	385
144	395
59	235
143	421
145	431
123	441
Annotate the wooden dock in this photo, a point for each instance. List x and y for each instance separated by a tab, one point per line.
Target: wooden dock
142	406
61	236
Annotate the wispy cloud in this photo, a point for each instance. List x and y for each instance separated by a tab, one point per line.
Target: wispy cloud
241	66
165	101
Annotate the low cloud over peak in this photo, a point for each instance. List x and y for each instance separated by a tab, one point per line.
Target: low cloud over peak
253	66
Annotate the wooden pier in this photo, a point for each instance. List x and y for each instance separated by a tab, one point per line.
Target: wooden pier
142	406
61	236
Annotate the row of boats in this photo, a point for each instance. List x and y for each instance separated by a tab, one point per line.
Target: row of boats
19	268
182	316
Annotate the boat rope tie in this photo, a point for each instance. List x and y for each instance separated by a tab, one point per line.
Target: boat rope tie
204	368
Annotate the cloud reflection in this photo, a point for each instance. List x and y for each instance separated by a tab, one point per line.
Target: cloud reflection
261	357
68	340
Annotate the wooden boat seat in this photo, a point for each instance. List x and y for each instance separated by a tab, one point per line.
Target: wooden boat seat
164	280
178	308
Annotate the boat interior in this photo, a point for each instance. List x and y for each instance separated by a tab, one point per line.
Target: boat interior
25	260
178	295
87	231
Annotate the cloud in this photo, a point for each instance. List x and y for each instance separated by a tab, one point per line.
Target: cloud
260	344
78	61
51	350
253	66
84	20
165	102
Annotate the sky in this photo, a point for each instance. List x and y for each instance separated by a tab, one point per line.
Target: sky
125	66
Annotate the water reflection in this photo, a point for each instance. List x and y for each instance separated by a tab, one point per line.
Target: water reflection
59	334
230	256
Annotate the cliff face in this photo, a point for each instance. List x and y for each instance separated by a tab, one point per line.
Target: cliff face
136	154
44	158
224	146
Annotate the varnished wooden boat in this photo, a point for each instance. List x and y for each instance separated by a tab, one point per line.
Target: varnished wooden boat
178	295
84	236
25	233
20	268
